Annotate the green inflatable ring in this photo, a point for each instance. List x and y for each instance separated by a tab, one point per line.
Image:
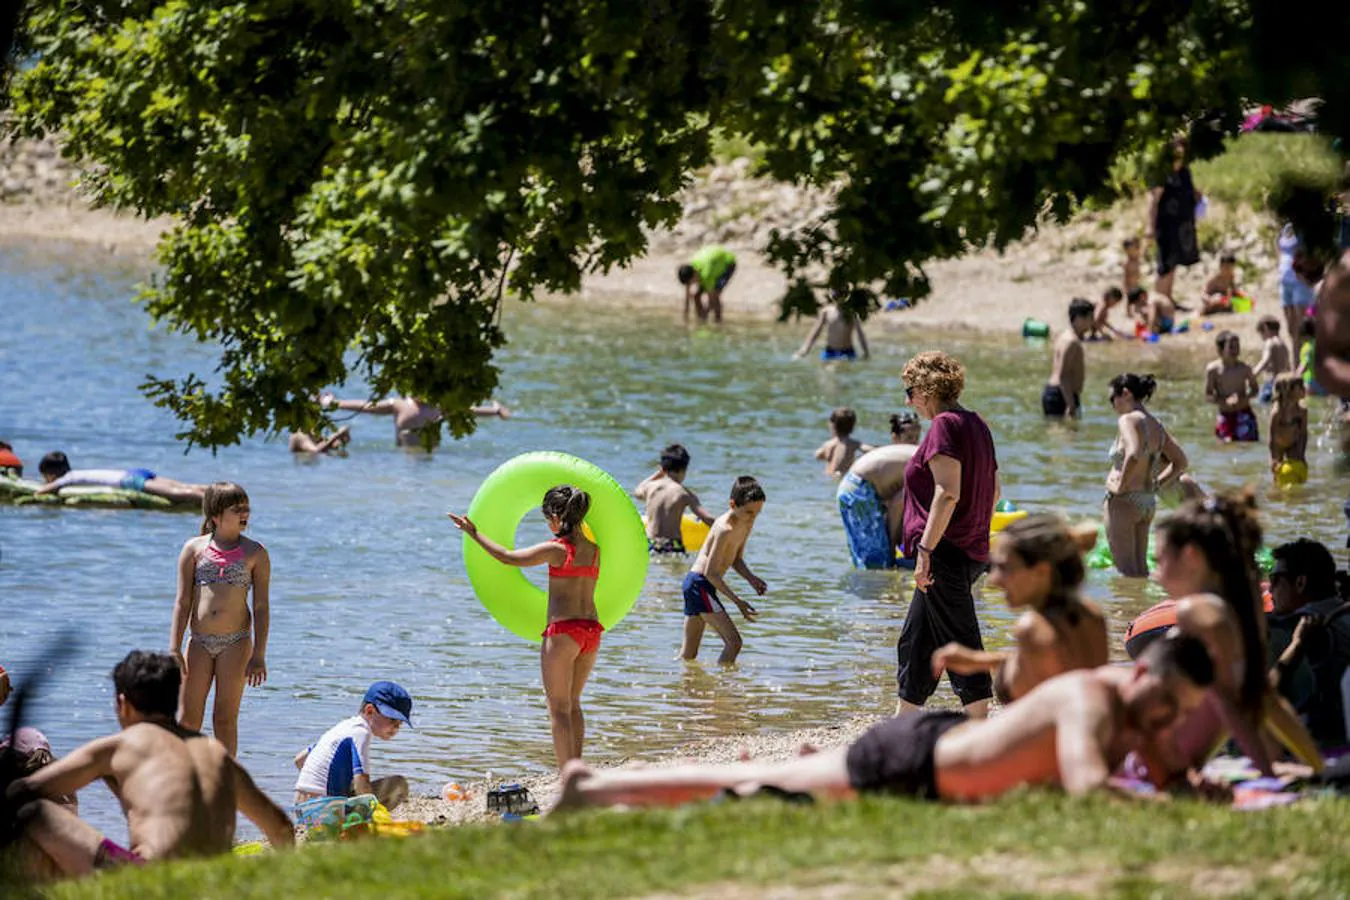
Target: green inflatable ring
1099	557
516	489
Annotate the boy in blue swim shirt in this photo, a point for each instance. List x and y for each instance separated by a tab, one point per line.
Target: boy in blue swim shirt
338	764
724	549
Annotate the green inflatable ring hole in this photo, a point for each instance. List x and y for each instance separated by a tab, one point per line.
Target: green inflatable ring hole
515	490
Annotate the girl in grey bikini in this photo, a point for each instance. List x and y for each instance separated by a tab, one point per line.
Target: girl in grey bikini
1143	458
227	646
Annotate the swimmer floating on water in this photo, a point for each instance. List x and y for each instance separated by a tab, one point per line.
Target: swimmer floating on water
58	474
572	637
411	416
227	646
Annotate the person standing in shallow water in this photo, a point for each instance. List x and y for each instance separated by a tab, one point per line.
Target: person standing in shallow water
951	486
1143	458
707	272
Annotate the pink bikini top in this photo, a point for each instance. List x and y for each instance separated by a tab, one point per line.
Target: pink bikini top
217	566
567	570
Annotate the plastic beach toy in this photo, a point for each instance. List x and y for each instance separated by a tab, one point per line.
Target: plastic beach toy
514	490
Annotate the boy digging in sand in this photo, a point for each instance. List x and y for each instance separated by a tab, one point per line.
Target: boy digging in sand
667	498
1230	383
1060	399
723	550
840	451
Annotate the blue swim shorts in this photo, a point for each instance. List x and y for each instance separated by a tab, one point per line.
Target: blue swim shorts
864	517
700	596
829	354
135	479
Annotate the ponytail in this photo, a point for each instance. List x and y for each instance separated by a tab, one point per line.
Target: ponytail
569	504
1225	529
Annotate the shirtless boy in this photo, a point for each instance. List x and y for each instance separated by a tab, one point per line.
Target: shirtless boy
1231	384
1071	732
667	498
1060	399
841	449
302	442
57	473
724	549
1102	329
1222	285
412	417
1157	314
1129	276
180	790
839	326
871	500
1288	430
1275	360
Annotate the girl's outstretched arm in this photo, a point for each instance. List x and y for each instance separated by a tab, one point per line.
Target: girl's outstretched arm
549	553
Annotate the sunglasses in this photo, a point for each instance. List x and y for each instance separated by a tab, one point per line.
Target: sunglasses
909	392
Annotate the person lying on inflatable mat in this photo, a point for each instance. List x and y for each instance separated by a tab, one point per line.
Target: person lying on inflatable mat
1070	732
180	790
57	474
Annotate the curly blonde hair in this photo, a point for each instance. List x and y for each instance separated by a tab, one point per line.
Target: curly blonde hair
935	374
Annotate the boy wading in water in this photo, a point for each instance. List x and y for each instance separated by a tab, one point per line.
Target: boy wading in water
1061	397
1070	732
1231	384
839	326
723	550
180	790
842	449
1275	360
667	498
1289	431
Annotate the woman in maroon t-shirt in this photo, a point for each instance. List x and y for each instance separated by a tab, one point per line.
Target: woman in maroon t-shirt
951	486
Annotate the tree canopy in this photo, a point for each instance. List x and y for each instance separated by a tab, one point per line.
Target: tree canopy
358	183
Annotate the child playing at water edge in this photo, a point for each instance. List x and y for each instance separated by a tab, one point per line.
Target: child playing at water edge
1221	287
573	633
841	449
227	646
1230	383
1289	431
839	326
1274	356
1156	315
337	765
723	550
1306	353
1060	399
667	498
1102	329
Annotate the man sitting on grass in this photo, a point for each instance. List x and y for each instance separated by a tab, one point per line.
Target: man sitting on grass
179	789
1070	732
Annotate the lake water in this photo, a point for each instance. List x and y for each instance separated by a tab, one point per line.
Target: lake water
368	580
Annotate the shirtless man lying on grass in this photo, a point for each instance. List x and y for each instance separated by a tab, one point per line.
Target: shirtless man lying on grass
180	789
1070	732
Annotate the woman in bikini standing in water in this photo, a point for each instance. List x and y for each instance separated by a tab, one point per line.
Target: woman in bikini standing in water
227	645
1144	457
573	633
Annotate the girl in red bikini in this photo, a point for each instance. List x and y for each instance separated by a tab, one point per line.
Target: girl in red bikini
228	646
573	633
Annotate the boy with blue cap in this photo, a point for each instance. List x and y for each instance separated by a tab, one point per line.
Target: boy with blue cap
338	764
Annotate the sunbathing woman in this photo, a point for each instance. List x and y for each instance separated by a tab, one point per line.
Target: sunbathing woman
1207	563
1038	562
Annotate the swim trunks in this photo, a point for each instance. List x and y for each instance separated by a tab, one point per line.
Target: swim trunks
135	479
830	354
700	596
1165	325
1267	394
896	756
665	545
1236	425
1054	403
864	515
110	856
586	633
1291	472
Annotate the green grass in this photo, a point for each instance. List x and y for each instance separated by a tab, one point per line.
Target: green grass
1031	845
1253	166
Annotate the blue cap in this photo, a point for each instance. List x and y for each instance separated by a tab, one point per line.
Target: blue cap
390	700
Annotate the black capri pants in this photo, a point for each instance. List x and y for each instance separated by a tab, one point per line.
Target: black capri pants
936	617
